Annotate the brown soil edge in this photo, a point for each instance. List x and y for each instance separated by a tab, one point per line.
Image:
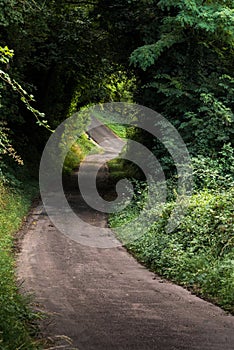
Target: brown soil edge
27	221
43	318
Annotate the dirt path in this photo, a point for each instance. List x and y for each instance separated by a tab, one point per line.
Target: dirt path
102	298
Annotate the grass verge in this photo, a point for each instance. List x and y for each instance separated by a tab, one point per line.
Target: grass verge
77	153
17	320
119	129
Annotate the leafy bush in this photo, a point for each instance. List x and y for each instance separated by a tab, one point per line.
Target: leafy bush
199	254
214	173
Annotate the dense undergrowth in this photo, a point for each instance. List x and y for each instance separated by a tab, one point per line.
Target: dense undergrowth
17	320
199	253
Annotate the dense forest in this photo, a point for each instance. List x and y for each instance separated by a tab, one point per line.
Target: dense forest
175	57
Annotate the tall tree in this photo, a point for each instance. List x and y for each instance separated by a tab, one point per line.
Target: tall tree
182	52
56	58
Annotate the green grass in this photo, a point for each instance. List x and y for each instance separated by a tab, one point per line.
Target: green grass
119	129
77	153
17	321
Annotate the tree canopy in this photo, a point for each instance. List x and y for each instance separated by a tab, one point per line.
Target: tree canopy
71	53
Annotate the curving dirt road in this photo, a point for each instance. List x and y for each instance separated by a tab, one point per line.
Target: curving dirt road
102	299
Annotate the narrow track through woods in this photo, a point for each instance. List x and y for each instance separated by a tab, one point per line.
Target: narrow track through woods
102	298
